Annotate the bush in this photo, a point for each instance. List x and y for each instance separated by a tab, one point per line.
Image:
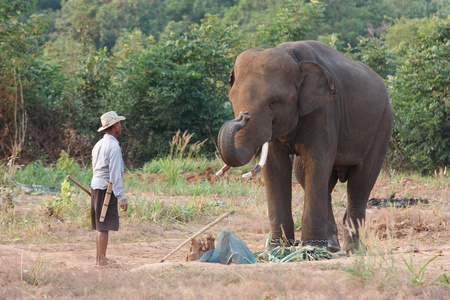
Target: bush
420	97
377	55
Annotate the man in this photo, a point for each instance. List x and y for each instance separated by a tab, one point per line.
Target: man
107	166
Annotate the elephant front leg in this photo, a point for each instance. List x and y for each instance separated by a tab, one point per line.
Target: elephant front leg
278	183
332	231
318	225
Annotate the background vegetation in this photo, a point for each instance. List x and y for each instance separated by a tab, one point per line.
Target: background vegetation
165	64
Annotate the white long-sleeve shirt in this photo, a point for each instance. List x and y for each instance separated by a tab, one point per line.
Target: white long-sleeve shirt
107	164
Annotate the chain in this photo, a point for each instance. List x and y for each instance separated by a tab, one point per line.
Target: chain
316	241
295	243
278	241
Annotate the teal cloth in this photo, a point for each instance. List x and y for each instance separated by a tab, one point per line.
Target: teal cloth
230	249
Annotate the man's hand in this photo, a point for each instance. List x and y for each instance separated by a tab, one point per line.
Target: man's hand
123	204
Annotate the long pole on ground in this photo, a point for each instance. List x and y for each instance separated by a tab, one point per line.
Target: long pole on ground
198	233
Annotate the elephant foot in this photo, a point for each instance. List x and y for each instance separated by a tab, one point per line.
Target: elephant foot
280	242
333	244
353	243
333	249
316	243
354	247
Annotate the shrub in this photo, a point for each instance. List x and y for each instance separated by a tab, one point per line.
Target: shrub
420	97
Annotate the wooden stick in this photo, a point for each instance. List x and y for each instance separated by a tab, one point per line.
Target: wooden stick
79	185
198	233
106	202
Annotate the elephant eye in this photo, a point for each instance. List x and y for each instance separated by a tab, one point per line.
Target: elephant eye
273	104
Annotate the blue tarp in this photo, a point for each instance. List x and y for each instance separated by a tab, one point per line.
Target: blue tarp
230	249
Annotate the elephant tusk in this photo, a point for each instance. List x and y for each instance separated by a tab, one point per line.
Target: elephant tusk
262	161
223	170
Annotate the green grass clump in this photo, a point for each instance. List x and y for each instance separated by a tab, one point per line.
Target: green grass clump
53	175
292	253
416	278
69	205
37	275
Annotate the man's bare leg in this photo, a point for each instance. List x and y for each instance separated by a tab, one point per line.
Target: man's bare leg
102	244
96	248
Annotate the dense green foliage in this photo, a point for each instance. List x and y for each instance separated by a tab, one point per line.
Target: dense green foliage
293	21
420	97
181	84
26	86
165	66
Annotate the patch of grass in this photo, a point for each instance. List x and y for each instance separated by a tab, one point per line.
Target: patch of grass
156	210
416	278
144	209
140	182
29	227
292	254
69	206
371	264
37	229
442	280
53	175
183	213
38	275
367	267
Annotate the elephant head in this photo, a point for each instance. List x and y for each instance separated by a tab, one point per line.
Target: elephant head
270	90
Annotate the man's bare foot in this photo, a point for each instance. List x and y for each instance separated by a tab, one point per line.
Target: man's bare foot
107	263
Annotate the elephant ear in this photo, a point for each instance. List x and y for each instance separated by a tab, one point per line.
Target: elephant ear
316	87
231	79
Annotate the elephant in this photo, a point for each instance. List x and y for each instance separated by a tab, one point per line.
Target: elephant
323	115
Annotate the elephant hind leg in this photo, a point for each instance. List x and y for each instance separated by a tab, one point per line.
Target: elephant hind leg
361	180
360	183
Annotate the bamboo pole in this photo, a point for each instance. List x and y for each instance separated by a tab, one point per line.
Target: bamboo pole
198	233
106	202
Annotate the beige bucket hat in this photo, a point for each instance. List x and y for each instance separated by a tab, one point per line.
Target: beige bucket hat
109	119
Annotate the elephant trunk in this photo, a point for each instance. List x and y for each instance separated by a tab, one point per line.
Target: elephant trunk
232	155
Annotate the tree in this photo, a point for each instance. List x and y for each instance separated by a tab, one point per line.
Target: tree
118	17
26	82
78	22
180	84
403	30
375	53
415	9
420	97
352	19
293	21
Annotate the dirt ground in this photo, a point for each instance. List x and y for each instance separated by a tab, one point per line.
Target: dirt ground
397	236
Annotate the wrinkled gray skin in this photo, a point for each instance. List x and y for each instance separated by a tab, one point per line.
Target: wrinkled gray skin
331	112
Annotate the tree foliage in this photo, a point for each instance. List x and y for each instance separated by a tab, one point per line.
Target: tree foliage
26	80
165	66
181	84
376	53
161	88
420	96
293	21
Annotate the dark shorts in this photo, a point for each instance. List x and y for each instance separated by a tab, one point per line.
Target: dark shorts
111	221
